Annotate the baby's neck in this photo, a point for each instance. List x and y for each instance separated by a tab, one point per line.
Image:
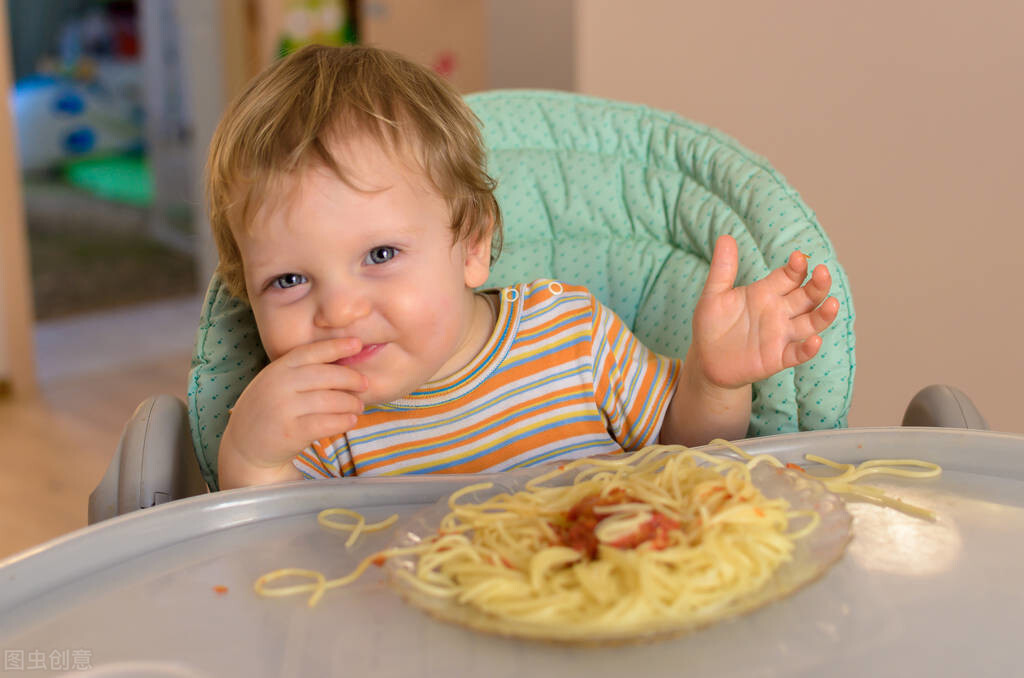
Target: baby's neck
485	316
490	297
478	333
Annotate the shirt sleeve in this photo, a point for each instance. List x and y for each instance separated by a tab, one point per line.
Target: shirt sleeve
633	385
322	459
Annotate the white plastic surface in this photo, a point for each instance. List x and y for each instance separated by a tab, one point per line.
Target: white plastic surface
909	597
154	462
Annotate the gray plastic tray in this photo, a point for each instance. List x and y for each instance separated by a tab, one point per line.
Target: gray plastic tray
136	595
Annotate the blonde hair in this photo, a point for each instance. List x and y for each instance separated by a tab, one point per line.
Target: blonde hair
288	116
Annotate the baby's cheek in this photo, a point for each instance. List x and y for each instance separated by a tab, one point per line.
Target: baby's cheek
270	343
277	344
418	311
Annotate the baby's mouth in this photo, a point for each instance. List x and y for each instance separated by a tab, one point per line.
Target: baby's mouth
368	352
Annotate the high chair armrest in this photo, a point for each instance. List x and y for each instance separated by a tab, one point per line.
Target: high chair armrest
154	463
942	405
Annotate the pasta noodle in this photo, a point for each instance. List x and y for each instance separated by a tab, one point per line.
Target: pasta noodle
320	584
843	483
666	535
360	526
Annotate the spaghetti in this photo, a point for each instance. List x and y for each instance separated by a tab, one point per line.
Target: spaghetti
665	538
360	526
320	584
843	483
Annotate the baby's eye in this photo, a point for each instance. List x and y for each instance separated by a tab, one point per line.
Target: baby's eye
381	255
288	280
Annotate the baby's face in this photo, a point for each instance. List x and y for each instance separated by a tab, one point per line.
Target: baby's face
329	261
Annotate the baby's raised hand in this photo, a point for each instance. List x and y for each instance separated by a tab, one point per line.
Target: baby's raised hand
299	397
745	334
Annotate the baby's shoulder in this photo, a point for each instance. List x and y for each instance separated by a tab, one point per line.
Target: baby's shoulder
543	291
552	313
551	303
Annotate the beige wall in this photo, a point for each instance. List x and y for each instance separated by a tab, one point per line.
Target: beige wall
900	124
448	35
531	44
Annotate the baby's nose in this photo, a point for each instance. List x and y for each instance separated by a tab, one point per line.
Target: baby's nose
341	309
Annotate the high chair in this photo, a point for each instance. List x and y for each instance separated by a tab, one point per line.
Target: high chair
619	197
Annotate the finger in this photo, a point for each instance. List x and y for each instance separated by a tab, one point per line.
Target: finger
817	320
724	266
323	351
789	276
320	376
824	315
799	352
321	425
803	299
329	402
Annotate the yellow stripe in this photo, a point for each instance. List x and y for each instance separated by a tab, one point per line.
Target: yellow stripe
546	346
548	324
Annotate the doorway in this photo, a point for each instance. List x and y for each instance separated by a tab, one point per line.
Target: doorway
103	153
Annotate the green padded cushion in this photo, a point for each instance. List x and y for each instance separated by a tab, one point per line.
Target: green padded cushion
628	201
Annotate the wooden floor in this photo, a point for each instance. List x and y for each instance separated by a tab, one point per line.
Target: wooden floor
55	448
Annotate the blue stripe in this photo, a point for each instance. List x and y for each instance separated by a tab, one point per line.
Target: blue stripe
631	390
552	305
534	288
666	393
332	462
507	365
600	443
529	333
605	354
646	413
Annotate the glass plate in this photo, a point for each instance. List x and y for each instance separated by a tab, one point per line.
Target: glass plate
813	555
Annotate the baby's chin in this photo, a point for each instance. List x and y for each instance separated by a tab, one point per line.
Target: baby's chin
387	387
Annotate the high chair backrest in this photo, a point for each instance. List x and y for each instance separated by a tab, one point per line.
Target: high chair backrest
621	198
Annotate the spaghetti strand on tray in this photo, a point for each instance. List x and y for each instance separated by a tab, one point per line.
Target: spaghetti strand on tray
843	483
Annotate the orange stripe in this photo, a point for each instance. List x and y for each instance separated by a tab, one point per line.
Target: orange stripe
639	417
578	317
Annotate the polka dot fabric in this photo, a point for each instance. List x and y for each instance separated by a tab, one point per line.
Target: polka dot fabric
628	201
228	354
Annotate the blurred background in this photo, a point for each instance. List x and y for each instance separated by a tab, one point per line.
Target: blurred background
898	122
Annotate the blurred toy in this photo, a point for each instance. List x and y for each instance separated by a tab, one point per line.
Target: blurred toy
59	119
86	99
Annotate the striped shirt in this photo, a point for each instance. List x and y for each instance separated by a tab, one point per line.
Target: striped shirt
561	377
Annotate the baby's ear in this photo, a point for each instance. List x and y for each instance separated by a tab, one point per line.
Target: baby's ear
477	253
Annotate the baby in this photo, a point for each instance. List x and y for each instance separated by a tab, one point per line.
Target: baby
352	210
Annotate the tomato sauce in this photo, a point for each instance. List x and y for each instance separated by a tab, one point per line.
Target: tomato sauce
581	520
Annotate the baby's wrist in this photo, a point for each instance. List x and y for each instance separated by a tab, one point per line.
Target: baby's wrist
698	380
718	397
239	470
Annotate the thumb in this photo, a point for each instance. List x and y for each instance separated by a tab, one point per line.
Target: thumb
724	266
